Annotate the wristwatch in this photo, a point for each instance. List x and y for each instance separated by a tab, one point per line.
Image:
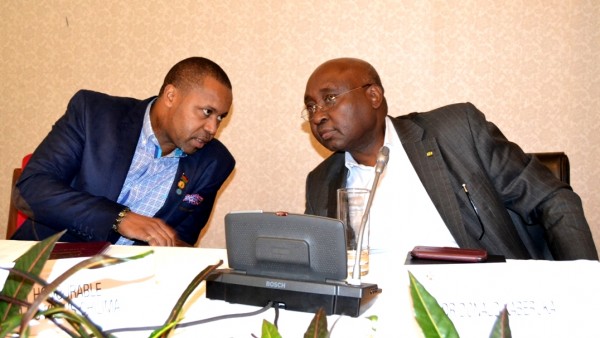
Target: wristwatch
120	217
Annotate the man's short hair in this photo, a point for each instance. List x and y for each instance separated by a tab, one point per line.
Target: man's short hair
192	72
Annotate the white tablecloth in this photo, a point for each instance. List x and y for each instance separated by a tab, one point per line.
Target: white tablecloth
544	299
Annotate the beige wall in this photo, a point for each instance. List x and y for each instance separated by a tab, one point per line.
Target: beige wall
531	66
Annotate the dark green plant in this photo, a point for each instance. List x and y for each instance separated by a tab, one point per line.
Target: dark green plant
434	322
174	317
430	316
318	326
501	328
269	330
16	312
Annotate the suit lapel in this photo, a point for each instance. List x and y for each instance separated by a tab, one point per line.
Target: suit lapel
427	161
128	134
338	174
180	186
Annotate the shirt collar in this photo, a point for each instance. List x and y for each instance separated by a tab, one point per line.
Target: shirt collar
389	140
149	136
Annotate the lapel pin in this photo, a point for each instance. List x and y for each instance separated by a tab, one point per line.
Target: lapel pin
429	153
182	182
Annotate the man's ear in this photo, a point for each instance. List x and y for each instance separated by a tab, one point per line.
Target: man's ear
169	94
375	94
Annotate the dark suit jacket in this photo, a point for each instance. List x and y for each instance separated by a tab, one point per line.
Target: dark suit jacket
76	174
500	176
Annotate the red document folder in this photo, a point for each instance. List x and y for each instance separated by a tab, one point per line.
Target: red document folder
84	249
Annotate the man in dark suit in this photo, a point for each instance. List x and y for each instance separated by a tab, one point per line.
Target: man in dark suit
469	174
132	171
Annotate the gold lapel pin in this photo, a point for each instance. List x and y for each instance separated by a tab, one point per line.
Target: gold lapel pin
429	153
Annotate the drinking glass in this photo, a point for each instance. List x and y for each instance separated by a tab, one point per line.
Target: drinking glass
351	206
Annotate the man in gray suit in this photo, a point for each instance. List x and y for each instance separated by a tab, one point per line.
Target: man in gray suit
451	179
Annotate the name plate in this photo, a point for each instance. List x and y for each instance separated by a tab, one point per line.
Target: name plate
543	299
113	297
4	273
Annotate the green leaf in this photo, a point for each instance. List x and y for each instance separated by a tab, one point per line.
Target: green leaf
373	318
9	325
33	262
501	328
26	273
89	263
77	321
318	326
167	327
269	330
429	314
163	330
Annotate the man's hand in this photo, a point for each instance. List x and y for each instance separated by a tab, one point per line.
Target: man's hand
147	229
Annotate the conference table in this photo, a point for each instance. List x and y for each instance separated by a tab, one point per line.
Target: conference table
543	298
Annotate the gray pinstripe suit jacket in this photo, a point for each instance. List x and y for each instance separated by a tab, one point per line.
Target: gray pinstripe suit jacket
500	176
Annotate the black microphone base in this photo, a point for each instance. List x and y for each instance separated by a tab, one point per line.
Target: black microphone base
335	297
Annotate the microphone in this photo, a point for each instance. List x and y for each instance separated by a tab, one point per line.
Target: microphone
382	160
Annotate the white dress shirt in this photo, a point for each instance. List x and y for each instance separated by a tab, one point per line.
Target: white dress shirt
402	214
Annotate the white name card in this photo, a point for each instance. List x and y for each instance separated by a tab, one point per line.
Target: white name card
112	297
543	299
